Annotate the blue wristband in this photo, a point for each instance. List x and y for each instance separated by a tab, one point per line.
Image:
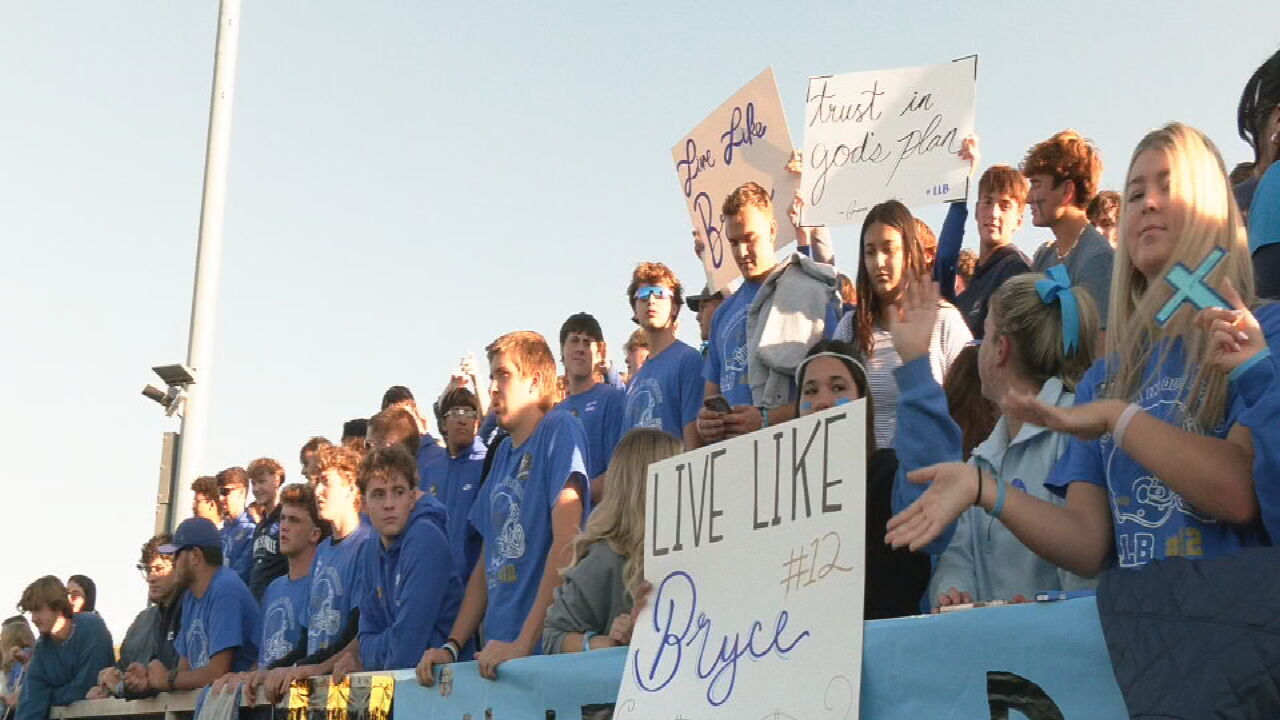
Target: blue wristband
999	506
1244	367
586	640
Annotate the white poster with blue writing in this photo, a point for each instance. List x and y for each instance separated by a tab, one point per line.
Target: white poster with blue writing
745	139
756	551
886	135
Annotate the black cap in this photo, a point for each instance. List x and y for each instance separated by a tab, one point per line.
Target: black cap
693	301
359	427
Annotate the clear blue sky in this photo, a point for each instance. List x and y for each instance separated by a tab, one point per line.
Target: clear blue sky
409	180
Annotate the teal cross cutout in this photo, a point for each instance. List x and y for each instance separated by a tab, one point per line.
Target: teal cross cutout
1190	287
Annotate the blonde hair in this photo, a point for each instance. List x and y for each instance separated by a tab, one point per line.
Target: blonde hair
1198	179
1035	330
620	517
531	355
15	633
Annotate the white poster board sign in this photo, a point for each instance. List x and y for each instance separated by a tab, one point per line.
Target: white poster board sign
745	139
886	135
756	550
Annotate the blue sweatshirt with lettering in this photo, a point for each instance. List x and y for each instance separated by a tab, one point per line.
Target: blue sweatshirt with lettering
61	673
412	591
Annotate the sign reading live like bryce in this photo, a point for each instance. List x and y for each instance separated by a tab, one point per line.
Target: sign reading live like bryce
755	548
888	134
745	139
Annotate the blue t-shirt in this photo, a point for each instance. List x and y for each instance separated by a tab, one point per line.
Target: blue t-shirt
1150	520
666	392
237	545
513	514
337	582
601	410
455	482
284	618
726	364
226	617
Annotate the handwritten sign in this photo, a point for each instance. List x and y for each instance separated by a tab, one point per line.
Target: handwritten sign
891	134
756	549
745	139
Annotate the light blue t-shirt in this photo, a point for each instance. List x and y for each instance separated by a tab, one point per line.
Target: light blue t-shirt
337	582
455	482
1151	521
513	514
601	410
666	392
284	618
226	617
726	364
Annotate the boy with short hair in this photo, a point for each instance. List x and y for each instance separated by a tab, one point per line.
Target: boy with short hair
1063	173
72	648
598	405
205	499
455	480
666	391
238	525
528	510
1002	202
266	476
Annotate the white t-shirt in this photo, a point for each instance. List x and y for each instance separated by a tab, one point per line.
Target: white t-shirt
950	335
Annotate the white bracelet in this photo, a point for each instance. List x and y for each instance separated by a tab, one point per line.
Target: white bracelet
1122	424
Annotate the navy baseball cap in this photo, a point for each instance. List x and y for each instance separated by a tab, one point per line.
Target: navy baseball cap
693	301
192	532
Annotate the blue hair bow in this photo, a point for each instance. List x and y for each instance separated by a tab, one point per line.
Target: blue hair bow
1058	287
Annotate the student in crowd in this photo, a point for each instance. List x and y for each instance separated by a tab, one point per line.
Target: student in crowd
966	266
396	426
666	391
1039	341
1104	214
705	305
529	509
592	607
429	449
239	524
354	433
974	414
1177	444
600	407
928	243
307	455
205	499
266	476
16	641
1258	122
831	376
150	636
636	350
759	333
1002	202
1264	234
72	648
414	590
82	593
1063	174
890	254
219	616
455	480
338	573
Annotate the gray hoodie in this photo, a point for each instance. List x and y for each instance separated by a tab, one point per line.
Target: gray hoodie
591	596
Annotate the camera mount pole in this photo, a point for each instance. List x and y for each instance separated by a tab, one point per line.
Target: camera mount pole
195	413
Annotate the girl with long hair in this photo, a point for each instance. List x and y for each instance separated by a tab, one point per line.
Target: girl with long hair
592	608
1172	453
890	252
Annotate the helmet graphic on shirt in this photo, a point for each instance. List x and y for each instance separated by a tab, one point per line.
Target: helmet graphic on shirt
275	624
510	543
197	644
326	621
643	401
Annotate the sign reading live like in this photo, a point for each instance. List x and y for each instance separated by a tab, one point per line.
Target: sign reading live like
886	135
745	139
755	548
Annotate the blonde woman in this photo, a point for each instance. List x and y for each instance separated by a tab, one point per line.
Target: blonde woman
1173	452
16	641
592	608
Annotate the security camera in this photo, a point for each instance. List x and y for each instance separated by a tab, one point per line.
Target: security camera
172	400
154	393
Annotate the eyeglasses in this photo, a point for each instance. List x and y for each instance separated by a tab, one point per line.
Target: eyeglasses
465	413
652	291
154	569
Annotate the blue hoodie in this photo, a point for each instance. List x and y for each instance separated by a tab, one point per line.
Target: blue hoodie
925	435
412	591
61	673
237	544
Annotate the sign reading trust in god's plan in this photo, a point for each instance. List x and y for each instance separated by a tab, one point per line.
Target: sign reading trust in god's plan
745	139
755	548
886	135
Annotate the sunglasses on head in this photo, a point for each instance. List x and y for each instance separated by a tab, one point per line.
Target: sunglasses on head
652	291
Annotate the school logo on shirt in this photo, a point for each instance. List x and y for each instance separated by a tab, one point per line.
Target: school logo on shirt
505	507
275	626
326	621
643	400
197	644
733	350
